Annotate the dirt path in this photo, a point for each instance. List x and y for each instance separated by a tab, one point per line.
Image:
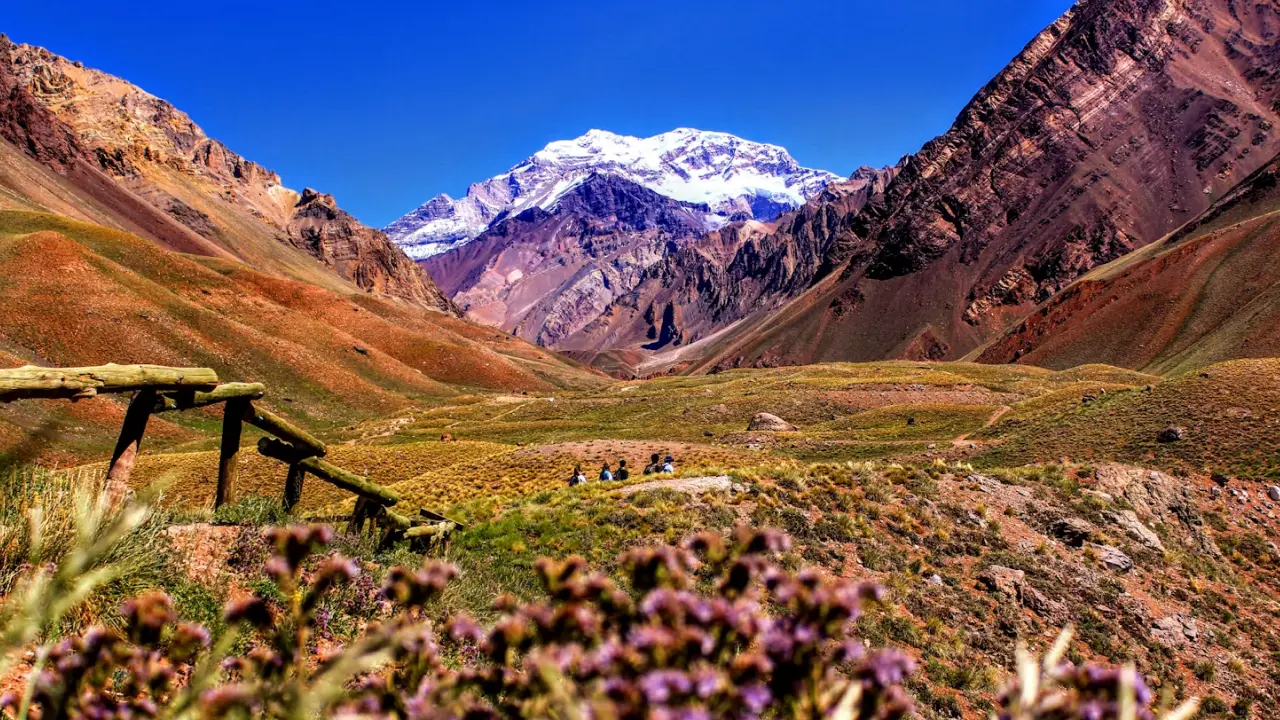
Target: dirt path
995	417
690	485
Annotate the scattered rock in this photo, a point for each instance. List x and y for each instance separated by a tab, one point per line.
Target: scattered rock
1220	479
911	421
1215	492
934	579
769	422
1072	531
1003	580
360	349
447	437
708	433
1175	631
1128	520
1273	492
986	484
1112	558
1105	497
1171	434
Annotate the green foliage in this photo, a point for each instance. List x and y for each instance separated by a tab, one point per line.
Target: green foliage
46	516
254	510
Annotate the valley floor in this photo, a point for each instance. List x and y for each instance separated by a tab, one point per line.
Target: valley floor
995	504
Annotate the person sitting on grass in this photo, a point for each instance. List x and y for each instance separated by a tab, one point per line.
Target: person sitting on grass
606	474
578	477
654	466
668	465
623	473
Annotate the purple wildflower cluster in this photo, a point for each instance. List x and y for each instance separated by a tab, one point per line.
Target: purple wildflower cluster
709	629
761	641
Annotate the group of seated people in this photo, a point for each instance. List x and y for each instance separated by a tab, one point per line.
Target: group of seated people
607	474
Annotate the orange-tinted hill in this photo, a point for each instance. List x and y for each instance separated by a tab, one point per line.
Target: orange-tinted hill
78	142
79	294
1209	292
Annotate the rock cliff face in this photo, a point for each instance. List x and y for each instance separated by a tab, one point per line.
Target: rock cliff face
548	275
155	172
1115	125
358	253
1207	293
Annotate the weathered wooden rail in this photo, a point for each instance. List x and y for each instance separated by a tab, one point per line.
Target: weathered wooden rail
160	389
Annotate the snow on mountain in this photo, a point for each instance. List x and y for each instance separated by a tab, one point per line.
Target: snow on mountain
736	179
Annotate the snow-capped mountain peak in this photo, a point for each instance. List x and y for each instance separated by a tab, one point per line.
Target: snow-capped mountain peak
735	178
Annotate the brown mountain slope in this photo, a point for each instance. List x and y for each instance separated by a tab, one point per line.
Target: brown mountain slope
1209	292
550	275
79	294
700	287
132	161
1117	124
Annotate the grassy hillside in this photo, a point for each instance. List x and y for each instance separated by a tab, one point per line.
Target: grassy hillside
80	294
1230	413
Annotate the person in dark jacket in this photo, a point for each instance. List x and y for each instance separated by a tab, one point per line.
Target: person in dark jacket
623	473
654	467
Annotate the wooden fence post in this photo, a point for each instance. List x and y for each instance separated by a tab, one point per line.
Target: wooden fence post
293	486
229	452
135	424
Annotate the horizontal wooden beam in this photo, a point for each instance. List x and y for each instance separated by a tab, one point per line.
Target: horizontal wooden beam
396	520
434	530
273	424
328	472
222	393
82	382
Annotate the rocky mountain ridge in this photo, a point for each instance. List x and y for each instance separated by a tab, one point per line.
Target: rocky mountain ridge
177	185
736	179
1116	124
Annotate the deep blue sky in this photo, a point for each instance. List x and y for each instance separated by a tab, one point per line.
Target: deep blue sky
386	104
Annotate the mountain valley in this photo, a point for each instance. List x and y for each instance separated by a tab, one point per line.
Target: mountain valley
648	428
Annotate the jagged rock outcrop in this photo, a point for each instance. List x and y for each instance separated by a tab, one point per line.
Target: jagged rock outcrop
361	254
25	122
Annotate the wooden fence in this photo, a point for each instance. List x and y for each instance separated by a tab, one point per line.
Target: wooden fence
159	389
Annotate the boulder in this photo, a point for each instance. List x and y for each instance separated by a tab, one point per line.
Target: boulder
769	422
1003	580
1175	631
1273	492
1128	520
1072	531
1171	434
1112	558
